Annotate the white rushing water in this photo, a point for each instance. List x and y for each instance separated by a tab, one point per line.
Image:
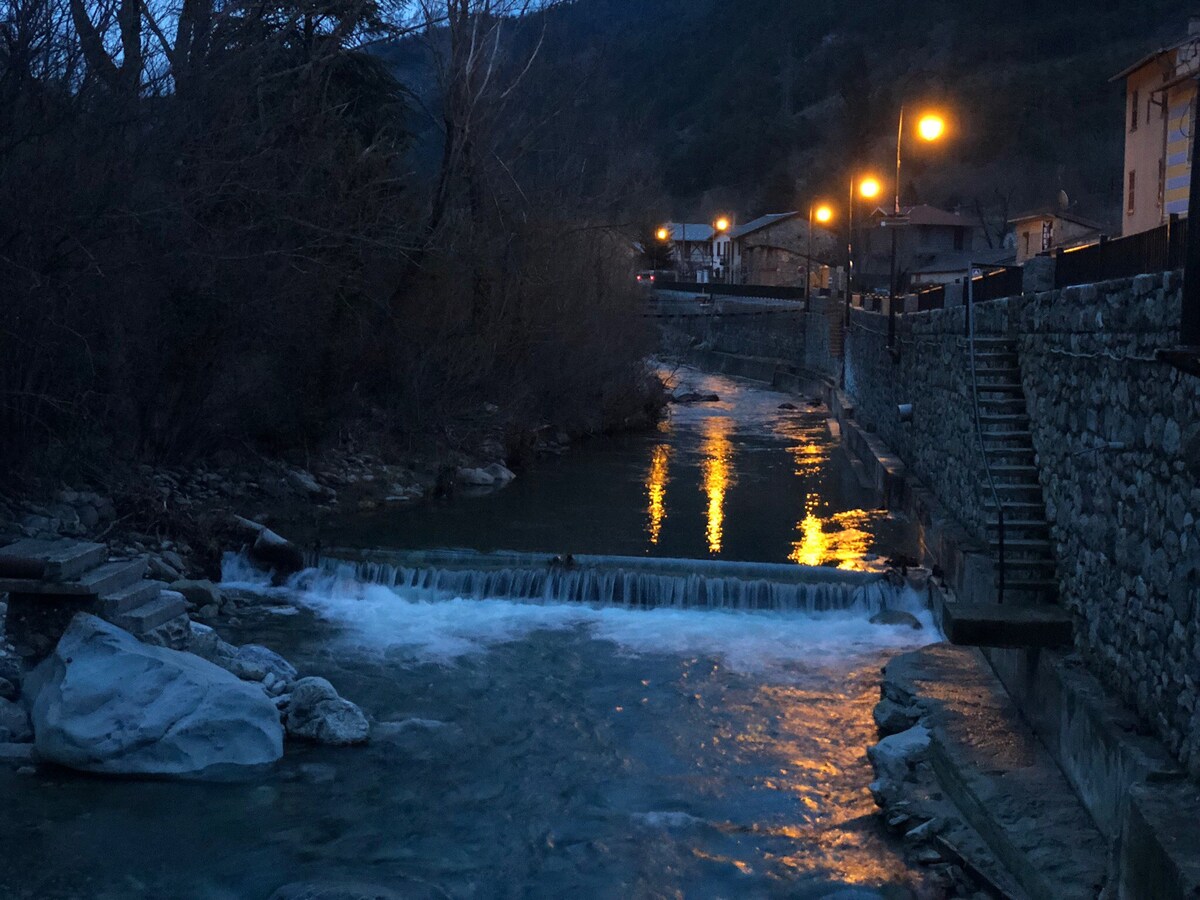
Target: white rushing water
432	625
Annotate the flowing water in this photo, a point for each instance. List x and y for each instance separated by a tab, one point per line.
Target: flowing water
628	724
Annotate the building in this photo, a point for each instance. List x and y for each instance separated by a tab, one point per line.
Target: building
951	266
692	249
1160	118
773	249
925	238
1042	230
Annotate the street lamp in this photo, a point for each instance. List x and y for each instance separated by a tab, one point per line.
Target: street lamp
720	227
822	213
867	187
930	127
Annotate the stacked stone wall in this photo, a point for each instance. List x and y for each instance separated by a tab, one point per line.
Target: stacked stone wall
1117	434
1118	440
746	330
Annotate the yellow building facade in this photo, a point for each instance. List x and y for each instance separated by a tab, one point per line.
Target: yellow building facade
1160	118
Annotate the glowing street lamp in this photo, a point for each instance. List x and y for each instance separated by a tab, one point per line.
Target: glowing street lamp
930	127
822	213
721	226
663	234
868	187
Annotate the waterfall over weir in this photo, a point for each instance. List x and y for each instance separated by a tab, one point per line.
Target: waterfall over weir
630	582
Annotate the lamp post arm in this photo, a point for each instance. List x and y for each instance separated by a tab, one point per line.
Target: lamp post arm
899	141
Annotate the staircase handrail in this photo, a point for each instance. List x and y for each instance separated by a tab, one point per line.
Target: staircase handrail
987	466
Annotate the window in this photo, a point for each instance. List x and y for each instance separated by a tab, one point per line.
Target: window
958	238
1135	99
1025	235
1129	205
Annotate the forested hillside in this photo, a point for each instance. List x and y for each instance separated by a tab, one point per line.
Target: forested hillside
758	104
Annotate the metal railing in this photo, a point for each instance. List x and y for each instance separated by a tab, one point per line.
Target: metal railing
1157	250
761	291
987	465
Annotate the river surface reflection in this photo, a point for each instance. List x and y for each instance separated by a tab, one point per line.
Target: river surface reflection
737	479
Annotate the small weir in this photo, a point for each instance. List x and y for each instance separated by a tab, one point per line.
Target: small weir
622	581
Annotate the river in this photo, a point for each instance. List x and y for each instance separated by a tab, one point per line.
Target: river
548	749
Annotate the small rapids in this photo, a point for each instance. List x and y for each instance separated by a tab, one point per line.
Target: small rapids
433	613
626	582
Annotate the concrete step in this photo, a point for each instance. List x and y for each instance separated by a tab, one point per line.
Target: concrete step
1008	420
1001	388
150	615
1024	436
992	371
1023	544
114	575
1007	625
1026	564
1021	524
1030	472
124	599
1011	451
60	560
1036	585
996	404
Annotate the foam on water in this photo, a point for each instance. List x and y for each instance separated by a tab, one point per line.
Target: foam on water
376	619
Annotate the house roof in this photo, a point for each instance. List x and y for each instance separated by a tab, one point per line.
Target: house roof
960	260
694	231
928	215
1151	57
762	222
1057	214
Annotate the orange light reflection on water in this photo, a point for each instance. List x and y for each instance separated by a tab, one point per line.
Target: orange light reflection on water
656	491
818	738
842	539
717	475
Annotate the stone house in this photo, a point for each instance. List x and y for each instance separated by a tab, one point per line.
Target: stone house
691	249
1042	230
924	236
1160	118
773	250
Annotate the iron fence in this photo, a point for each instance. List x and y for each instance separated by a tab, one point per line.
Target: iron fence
1157	250
761	291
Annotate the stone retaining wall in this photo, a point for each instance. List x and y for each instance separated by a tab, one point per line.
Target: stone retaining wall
774	334
1118	441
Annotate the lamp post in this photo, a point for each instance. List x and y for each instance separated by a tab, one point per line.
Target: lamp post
664	235
720	227
823	214
930	127
868	188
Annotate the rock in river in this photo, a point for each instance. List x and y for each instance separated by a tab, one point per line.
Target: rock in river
104	702
14	723
896	617
317	713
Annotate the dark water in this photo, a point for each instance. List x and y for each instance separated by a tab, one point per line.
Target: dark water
740	480
546	750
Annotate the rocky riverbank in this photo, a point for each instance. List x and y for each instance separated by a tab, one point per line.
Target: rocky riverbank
181	520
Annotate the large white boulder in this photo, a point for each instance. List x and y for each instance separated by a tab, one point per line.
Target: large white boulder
104	702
